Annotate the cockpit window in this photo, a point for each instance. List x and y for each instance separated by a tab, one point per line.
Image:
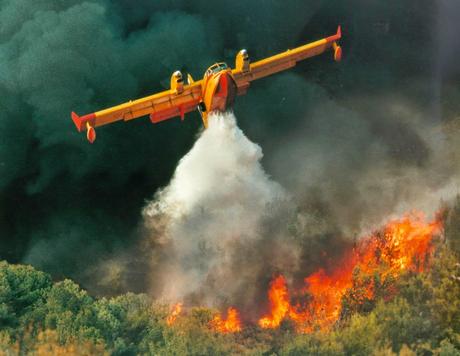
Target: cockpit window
216	68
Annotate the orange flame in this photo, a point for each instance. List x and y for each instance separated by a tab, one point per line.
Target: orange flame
175	312
405	244
280	306
230	325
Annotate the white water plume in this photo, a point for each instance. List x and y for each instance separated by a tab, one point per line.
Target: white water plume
208	223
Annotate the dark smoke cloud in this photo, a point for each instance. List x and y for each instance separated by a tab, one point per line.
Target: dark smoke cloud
74	56
352	142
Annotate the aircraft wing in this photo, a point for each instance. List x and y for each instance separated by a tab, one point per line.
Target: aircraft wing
286	60
160	107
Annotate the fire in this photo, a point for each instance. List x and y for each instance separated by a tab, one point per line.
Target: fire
230	325
175	312
278	296
404	244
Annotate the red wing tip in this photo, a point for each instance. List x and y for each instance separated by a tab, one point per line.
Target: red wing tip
335	37
76	120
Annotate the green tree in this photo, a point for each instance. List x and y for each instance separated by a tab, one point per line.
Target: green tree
131	323
22	290
69	310
400	323
361	336
445	289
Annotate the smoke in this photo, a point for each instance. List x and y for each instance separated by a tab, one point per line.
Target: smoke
74	55
368	165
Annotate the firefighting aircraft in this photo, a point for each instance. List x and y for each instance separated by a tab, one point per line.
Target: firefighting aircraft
215	92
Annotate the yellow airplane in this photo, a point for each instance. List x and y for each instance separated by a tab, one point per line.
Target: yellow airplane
215	92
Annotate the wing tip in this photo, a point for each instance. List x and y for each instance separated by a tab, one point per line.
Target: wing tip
337	36
87	121
76	120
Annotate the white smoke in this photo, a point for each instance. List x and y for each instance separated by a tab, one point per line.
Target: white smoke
214	212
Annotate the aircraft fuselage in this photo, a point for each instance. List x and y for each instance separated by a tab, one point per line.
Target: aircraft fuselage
219	92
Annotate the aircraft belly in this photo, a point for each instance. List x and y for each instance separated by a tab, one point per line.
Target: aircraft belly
224	94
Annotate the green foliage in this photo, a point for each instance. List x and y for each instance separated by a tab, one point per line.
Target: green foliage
130	323
318	344
69	310
452	227
361	336
448	349
400	324
445	301
22	291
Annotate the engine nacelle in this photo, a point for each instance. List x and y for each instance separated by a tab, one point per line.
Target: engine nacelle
177	82
242	61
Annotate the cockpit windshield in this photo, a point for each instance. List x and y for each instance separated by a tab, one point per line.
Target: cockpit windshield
216	68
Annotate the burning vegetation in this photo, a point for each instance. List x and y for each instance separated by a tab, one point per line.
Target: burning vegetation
368	270
175	312
231	324
402	245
